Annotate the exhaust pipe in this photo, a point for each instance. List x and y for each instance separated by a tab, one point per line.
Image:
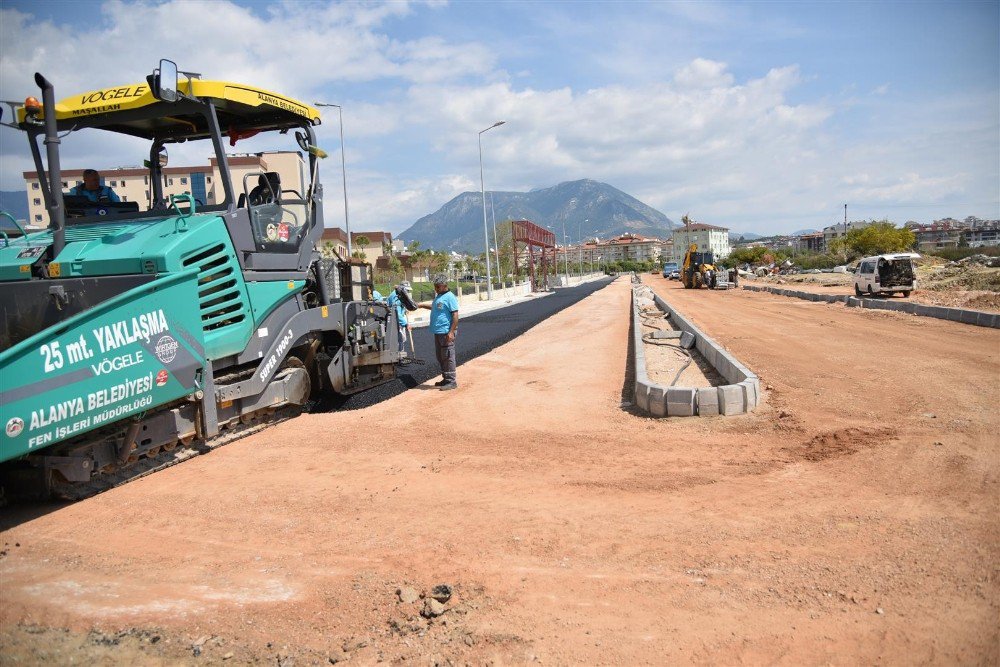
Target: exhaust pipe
57	214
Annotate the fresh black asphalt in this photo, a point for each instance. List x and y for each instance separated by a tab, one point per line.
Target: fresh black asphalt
477	335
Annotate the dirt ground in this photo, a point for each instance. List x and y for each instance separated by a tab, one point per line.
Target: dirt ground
970	286
852	519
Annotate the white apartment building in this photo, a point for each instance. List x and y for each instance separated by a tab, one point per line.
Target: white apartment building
624	248
708	238
204	182
836	231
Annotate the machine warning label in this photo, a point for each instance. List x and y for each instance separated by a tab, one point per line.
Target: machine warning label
29	253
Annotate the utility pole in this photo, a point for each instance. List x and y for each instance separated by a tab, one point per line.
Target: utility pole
845	232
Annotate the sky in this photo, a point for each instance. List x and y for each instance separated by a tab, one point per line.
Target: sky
762	117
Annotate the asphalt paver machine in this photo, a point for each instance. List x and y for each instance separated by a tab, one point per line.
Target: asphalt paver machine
132	336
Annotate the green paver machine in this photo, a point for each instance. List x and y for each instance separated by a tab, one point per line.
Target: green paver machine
128	336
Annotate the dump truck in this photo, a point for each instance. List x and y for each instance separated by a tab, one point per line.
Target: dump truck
134	336
698	269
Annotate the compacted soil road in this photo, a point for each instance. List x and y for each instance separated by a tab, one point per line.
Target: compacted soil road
852	519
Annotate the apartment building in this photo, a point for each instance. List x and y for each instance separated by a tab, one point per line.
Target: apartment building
708	237
374	250
938	235
814	242
982	235
203	182
836	231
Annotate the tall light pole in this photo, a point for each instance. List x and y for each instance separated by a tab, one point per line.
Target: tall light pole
565	252
579	254
343	169
482	190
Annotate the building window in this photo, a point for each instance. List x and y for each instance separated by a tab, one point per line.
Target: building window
64	184
124	198
147	194
184	181
34	186
37	201
170	181
208	179
145	180
38	218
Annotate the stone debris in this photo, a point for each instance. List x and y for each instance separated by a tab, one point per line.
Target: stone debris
407	595
353	644
432	608
442	593
337	655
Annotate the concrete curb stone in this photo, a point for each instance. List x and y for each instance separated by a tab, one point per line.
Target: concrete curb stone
681	401
739	396
708	401
962	315
657	402
731	400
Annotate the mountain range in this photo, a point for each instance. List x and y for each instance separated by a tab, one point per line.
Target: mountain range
583	208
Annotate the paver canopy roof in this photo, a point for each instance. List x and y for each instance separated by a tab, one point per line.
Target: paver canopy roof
132	109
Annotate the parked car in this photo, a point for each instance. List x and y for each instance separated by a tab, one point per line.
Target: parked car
886	274
671	271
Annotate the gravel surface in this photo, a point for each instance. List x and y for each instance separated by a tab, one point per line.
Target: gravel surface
477	335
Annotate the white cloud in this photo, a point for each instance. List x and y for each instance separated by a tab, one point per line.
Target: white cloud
701	73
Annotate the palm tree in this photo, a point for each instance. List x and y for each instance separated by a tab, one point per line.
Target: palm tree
362	242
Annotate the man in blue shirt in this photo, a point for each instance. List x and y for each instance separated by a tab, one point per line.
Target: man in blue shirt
93	190
394	302
444	326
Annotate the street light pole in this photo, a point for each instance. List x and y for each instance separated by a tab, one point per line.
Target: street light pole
486	232
343	169
565	252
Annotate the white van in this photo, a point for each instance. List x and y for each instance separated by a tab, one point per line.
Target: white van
885	274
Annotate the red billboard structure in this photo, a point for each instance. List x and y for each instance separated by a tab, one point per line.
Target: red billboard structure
539	247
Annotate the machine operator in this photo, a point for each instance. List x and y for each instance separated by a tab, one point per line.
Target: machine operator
93	190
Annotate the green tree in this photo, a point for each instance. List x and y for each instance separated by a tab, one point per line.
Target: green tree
362	242
876	238
439	262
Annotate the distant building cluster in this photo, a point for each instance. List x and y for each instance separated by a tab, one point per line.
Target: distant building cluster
637	248
971	232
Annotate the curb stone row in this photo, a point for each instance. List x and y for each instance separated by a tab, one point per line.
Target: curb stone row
740	396
963	315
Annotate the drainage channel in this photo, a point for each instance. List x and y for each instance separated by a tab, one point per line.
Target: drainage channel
681	372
